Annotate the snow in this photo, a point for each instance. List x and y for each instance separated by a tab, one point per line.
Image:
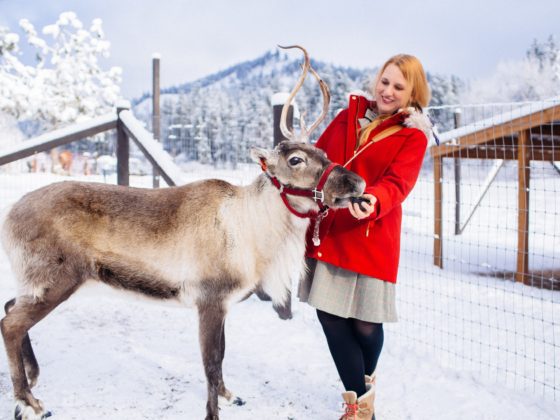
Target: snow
105	355
279	98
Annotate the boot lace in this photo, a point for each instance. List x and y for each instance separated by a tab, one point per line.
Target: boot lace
350	411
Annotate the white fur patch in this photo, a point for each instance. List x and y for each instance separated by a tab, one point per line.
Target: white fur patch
19	260
419	120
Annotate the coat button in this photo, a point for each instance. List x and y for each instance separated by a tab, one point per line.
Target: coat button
319	254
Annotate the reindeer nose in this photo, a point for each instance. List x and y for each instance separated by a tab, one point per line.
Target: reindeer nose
360	183
352	178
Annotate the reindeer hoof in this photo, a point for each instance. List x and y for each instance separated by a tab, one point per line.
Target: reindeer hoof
26	412
227	398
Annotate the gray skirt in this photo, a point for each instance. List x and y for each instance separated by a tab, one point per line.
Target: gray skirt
347	294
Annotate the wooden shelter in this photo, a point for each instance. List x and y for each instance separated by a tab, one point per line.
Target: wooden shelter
531	132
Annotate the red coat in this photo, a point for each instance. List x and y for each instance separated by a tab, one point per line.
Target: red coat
390	167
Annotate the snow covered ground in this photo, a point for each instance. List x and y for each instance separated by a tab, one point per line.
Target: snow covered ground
105	355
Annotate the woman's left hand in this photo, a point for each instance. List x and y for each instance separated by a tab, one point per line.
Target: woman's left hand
358	213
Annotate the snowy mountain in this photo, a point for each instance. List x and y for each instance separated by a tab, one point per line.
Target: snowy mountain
217	118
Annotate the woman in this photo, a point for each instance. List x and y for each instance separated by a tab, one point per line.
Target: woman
353	266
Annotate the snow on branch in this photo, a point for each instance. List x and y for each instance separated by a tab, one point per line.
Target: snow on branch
65	83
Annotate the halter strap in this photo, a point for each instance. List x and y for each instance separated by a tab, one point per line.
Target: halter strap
316	193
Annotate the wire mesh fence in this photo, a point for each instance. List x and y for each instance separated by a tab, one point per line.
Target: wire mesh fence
471	312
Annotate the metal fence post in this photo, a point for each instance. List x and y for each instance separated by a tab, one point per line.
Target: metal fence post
156	119
457	166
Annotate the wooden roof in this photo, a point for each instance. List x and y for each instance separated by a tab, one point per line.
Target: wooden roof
496	137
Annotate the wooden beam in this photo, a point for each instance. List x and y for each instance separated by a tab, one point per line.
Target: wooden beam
552	130
524	174
58	137
506	153
438	213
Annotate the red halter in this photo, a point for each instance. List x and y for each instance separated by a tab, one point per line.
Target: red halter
316	193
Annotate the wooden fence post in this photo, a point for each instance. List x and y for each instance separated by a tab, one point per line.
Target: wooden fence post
123	148
278	100
524	175
438	211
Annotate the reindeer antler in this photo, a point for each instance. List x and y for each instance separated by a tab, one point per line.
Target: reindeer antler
306	67
326	101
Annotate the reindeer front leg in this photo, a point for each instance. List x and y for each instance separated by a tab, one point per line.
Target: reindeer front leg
211	324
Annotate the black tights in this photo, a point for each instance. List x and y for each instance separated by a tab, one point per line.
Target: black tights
355	347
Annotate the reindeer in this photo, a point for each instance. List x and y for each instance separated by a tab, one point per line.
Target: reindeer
207	244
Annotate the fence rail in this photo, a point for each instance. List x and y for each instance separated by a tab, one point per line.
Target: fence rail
127	126
59	137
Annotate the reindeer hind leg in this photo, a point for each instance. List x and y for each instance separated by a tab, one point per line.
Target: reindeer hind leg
21	315
29	360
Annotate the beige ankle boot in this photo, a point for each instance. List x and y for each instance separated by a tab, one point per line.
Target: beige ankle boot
350	406
370	385
358	408
365	404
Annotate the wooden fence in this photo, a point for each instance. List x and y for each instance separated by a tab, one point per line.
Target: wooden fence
127	127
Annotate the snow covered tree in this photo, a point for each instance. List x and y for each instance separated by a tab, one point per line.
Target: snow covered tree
66	83
546	54
446	90
533	78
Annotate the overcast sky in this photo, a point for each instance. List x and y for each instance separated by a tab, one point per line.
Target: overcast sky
198	37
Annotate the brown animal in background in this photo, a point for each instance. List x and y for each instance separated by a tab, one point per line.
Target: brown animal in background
65	159
207	243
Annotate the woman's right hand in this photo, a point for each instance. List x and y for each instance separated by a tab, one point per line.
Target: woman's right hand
368	209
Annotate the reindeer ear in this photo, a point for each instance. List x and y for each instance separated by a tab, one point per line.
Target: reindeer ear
266	158
258	154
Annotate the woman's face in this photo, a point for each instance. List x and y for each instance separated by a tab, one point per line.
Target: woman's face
392	91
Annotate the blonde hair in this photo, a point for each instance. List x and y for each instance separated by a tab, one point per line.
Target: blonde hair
414	74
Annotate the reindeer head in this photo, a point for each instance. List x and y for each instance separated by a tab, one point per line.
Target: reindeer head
300	166
297	165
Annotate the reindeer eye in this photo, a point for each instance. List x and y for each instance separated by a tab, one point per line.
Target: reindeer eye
295	161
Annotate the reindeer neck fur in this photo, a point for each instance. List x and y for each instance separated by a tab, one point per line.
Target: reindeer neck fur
281	247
